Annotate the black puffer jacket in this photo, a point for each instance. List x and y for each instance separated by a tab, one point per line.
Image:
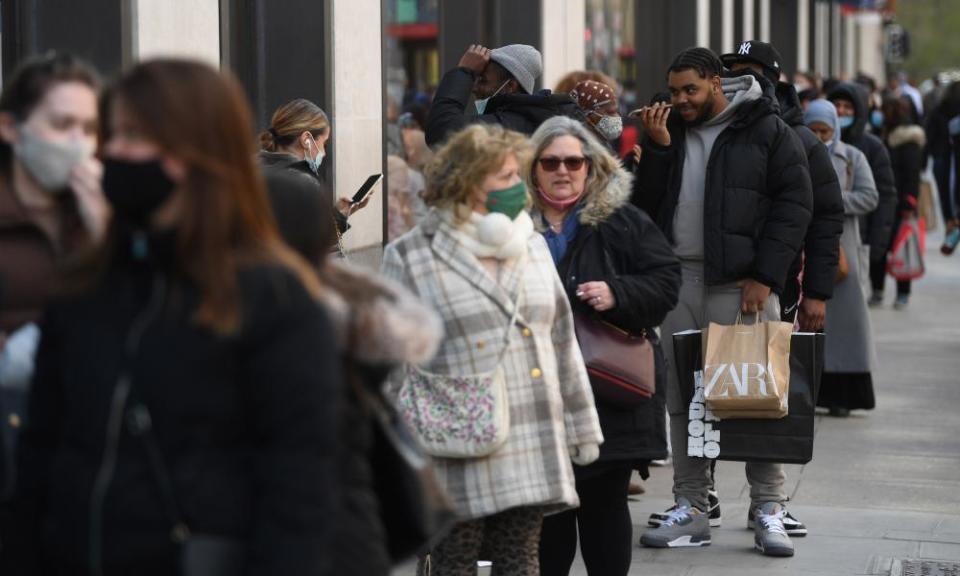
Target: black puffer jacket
646	284
876	228
758	199
521	112
246	425
821	247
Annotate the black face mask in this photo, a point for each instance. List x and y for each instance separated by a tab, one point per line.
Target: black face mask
135	189
765	83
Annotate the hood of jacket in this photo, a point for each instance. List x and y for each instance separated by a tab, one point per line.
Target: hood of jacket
739	90
907	134
788	101
536	108
377	321
600	205
283	160
853	93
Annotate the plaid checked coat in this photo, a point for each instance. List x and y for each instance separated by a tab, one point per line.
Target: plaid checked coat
551	402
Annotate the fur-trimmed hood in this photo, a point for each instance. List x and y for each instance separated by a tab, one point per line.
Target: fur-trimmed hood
907	134
378	322
600	205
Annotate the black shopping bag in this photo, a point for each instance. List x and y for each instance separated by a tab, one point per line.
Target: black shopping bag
788	440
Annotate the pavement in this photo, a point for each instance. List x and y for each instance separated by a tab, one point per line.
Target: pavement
883	488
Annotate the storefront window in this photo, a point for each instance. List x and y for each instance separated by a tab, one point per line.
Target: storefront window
413	71
611	40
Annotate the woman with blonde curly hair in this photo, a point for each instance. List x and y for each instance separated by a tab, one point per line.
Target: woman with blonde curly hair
478	261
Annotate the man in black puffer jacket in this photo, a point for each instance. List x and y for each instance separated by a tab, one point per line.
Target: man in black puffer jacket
821	247
876	228
503	82
727	181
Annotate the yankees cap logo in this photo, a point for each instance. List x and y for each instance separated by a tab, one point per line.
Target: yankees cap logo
744	49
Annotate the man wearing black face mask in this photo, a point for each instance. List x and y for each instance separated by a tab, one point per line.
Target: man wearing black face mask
728	183
822	243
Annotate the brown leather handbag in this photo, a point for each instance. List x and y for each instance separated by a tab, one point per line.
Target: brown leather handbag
843	267
620	364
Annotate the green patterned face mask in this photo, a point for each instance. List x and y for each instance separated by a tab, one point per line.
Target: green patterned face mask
508	201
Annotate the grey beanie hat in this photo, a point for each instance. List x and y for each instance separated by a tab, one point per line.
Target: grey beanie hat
523	62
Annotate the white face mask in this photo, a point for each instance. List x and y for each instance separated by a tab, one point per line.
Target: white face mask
317	160
482	103
50	163
610	127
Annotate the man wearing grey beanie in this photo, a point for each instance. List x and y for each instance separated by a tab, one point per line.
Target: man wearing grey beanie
503	83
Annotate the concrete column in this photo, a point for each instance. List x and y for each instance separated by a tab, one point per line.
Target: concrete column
358	112
727	39
803	34
563	25
185	28
703	23
765	20
749	20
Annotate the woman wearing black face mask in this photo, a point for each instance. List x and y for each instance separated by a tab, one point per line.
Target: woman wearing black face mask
186	392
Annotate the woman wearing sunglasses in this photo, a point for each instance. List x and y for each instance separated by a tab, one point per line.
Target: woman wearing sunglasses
615	266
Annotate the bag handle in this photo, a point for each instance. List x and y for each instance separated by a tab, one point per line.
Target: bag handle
739	320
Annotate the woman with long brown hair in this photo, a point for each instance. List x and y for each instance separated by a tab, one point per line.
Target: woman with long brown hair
185	403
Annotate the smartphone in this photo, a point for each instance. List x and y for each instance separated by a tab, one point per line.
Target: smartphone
640	111
366	189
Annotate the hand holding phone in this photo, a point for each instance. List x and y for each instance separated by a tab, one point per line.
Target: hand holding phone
366	189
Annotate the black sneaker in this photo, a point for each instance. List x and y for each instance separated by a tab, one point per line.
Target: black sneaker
657	518
791	525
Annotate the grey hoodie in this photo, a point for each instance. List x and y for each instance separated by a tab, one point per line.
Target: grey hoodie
688	219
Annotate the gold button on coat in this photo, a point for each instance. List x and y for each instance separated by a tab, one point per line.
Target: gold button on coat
536	373
14	421
527	333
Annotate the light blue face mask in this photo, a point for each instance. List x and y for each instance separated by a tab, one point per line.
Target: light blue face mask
876	119
482	103
846	122
317	160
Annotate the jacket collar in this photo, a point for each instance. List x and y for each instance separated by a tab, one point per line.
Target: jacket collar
378	321
448	249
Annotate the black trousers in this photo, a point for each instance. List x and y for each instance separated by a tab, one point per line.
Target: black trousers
605	528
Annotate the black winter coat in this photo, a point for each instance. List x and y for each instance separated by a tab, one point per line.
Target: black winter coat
758	198
246	425
821	246
291	186
521	112
906	144
646	284
876	228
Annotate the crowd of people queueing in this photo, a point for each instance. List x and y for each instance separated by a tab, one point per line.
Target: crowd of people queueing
204	378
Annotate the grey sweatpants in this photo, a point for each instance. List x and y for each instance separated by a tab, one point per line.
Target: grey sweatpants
699	305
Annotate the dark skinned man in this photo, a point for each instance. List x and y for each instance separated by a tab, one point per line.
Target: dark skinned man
727	180
502	82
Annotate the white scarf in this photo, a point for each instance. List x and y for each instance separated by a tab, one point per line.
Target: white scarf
492	235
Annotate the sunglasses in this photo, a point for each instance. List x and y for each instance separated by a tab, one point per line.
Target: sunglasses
573	163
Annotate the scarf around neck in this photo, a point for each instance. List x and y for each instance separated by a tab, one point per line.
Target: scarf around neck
492	235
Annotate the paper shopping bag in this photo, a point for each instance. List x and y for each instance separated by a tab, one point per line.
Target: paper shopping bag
747	369
787	440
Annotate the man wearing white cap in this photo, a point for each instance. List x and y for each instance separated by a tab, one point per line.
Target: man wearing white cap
502	82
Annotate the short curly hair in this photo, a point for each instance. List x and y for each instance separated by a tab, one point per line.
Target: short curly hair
461	165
